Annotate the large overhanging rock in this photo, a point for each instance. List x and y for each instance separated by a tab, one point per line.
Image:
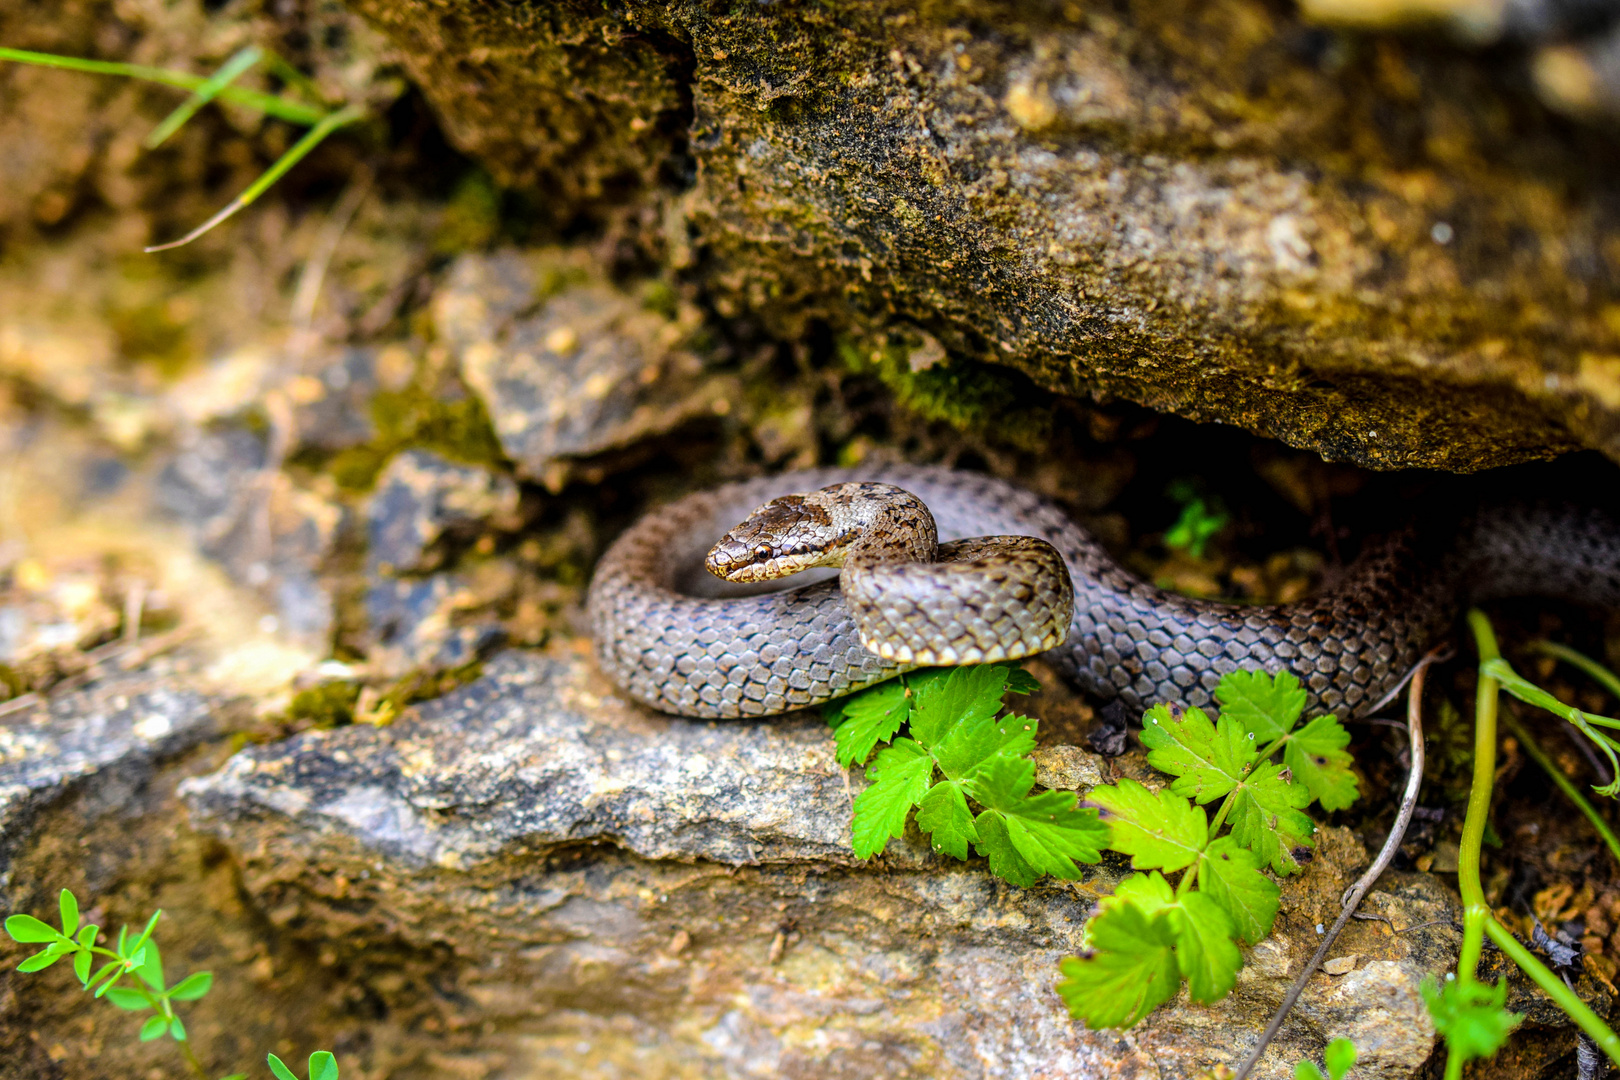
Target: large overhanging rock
1388	253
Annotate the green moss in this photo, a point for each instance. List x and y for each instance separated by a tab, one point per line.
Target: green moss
458	428
472	218
329	705
968	395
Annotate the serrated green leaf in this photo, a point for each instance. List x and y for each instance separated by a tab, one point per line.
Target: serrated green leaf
69	905
322	1066
865	719
193	986
1157	829
39	961
281	1071
150	968
1047	830
1020	681
1131	971
1149	893
30	931
1264	705
81	965
125	998
1206	953
963	695
965	745
901	776
177	1030
1208	759
1230	875
1265	817
1316	755
154	1028
1000	780
943	813
1339	1057
1470	1015
1052	833
996	845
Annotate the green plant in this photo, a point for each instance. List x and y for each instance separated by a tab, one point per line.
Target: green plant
1472	1016
1200	521
322	1066
313	114
1151	934
132	978
1339	1056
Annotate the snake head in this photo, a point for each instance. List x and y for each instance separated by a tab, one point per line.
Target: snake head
783	537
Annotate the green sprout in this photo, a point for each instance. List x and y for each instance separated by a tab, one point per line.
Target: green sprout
1201	519
132	979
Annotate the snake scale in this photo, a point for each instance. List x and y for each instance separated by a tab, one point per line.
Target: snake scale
681	641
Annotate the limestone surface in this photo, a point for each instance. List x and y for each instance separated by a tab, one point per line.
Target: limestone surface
605	884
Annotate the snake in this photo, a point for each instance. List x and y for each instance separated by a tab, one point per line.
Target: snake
894	566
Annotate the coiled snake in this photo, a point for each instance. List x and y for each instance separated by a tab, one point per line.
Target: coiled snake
678	639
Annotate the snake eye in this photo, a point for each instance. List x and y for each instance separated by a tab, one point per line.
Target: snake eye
763	551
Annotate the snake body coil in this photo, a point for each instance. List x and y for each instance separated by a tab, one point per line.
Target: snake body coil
680	641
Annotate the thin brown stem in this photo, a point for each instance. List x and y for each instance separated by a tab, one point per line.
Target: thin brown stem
1353	896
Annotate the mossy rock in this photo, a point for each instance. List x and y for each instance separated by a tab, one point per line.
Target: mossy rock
1386	251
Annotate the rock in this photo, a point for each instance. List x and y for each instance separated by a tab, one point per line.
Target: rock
590	369
265	530
420	497
590	881
330	409
104	740
1355	248
411	625
1069	768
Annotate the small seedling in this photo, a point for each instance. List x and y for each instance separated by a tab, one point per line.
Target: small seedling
132	978
322	1066
1200	521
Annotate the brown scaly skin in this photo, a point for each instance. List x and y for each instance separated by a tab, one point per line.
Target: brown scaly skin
696	647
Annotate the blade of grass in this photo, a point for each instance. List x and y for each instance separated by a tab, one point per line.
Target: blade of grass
269	104
219	80
1565	784
312	138
1608	679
